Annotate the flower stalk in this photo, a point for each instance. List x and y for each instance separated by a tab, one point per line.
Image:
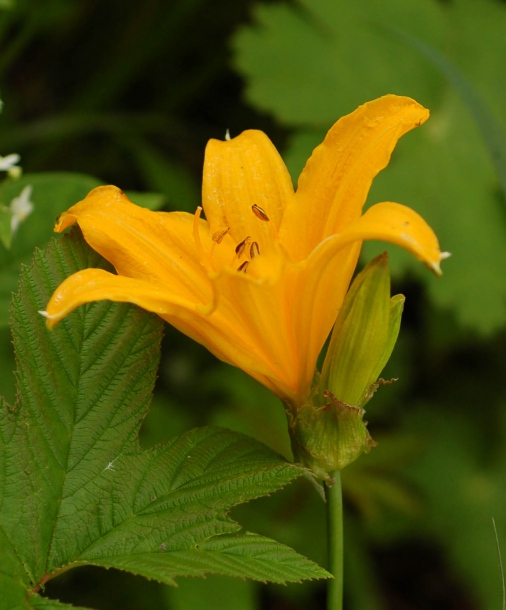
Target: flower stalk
335	540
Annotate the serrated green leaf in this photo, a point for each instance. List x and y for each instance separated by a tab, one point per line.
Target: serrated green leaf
313	62
76	489
175	498
13	580
36	602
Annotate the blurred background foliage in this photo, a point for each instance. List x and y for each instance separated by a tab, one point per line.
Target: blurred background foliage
128	93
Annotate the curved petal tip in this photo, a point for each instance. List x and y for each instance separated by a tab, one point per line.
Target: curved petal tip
435	267
51	320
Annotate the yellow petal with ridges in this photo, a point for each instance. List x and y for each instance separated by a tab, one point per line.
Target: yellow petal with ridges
335	182
240	173
216	330
324	277
92	285
271	317
226	330
157	247
263	324
397	224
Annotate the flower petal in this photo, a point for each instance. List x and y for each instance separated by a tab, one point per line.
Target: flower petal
157	247
333	186
241	173
97	285
257	314
318	286
397	224
224	329
321	281
285	320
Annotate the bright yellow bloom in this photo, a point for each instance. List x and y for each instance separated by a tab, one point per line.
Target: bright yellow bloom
261	280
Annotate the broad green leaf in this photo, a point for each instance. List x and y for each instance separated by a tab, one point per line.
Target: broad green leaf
8	365
76	489
313	62
13	580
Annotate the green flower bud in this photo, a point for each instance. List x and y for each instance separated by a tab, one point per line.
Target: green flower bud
328	432
364	336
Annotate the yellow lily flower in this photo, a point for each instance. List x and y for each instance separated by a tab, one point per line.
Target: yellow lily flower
260	281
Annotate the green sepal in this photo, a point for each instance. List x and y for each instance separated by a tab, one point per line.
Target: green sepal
394	325
329	436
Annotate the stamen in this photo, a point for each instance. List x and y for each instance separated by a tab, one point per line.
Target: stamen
259	212
243	267
219	235
254	250
239	249
227	136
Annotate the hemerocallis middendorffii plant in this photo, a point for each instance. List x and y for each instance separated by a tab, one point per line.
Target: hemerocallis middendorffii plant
260	280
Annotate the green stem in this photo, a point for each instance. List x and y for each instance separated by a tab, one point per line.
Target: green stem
334	498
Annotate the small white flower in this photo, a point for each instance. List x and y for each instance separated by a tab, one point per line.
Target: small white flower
21	207
6	163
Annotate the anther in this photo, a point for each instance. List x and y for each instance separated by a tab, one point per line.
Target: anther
254	250
219	235
239	249
243	267
259	212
